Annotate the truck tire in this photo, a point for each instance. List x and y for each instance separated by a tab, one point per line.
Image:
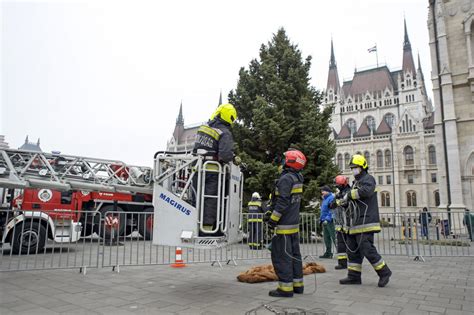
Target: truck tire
106	228
88	223
145	225
28	238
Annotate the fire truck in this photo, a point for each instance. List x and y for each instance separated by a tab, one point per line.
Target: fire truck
63	198
59	197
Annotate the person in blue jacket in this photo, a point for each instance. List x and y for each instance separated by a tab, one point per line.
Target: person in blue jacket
327	221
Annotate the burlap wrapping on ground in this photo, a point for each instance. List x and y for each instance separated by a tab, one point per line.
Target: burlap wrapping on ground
267	273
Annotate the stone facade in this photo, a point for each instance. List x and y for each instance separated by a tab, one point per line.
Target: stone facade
387	117
3	144
451	31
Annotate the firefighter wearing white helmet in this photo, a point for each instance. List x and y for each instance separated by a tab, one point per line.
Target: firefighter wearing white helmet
255	222
364	223
216	138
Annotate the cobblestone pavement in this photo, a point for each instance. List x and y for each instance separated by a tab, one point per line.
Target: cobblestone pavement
439	285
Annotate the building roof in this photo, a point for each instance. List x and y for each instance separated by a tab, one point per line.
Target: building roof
363	130
383	128
31	146
344	133
376	79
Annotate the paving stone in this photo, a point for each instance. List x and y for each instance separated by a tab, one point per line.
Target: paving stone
432	309
438	285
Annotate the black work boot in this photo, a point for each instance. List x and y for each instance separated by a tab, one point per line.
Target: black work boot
384	276
280	293
342	264
326	255
350	280
298	290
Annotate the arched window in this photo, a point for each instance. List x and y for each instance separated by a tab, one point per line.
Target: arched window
347	159
436	198
431	154
409	156
379	159
339	161
385	199
388	158
352	125
370	122
411	198
367	157
389	119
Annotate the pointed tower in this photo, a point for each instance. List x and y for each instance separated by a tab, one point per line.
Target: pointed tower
408	65
333	91
333	87
179	127
220	99
427	108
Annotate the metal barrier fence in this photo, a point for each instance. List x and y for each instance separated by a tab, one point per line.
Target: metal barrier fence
33	241
133	249
430	234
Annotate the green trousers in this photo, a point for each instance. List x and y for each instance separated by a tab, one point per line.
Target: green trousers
329	233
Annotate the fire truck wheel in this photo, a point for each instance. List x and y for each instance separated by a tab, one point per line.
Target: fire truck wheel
113	224
146	225
28	238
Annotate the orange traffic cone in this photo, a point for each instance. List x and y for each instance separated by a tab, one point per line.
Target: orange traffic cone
179	259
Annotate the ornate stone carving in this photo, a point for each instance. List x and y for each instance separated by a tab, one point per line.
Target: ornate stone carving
466	5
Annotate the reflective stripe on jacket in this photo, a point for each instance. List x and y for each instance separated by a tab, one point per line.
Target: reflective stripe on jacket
215	136
366	218
286	211
255	211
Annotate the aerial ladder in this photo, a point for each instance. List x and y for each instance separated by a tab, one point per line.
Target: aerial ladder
177	182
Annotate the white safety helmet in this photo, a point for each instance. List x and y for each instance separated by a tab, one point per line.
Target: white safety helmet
256	195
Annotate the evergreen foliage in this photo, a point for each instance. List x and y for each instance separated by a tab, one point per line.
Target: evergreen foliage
279	109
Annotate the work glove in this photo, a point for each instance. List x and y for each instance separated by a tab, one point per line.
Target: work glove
237	160
271	225
325	222
267	215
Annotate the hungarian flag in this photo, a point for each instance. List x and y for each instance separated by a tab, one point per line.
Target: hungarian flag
372	49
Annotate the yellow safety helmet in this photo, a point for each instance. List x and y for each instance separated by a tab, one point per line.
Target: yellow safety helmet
358	160
226	112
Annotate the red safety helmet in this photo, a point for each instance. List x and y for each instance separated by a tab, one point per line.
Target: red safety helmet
295	159
341	180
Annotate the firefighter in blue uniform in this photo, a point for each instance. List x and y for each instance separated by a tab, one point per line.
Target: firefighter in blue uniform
286	255
255	222
216	138
364	223
341	219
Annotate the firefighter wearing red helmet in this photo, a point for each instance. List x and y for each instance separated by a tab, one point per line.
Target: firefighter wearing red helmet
284	219
341	219
364	223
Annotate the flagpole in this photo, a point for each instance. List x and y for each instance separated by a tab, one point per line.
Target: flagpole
377	54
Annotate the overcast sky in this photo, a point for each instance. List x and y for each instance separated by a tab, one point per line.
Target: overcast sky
105	78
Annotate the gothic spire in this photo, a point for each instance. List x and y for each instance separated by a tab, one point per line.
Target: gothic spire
180	119
220	99
408	64
406	41
333	76
332	62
